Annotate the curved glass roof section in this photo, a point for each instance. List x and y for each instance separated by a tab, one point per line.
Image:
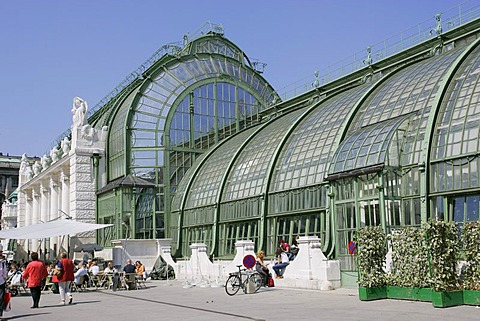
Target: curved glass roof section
204	189
159	96
182	186
367	146
305	157
409	90
213	45
116	139
248	174
457	130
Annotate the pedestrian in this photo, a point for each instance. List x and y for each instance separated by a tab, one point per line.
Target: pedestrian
65	277
34	273
3	278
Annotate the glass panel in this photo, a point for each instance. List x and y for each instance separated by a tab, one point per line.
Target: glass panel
248	174
314	137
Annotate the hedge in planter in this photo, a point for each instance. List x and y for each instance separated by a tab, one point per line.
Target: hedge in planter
371	251
443	249
409	278
471	274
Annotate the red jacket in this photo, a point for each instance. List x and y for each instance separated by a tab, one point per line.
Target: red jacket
67	270
35	272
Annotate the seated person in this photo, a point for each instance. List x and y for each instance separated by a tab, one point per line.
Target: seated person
129	268
94	269
81	271
282	262
140	270
12	271
285	247
110	269
262	268
294	248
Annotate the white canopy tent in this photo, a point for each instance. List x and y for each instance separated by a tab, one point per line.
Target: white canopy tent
50	229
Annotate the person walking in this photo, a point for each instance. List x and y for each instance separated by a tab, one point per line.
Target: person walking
3	279
34	273
66	267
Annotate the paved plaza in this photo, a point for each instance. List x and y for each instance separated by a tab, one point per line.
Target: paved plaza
171	301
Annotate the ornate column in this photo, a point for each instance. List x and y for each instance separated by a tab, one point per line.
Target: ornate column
28	217
65	206
54	213
44	205
35	215
65	193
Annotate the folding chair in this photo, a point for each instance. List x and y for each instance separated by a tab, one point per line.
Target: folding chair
80	286
48	283
141	280
129	281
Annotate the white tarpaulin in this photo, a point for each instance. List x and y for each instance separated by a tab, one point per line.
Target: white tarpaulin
49	229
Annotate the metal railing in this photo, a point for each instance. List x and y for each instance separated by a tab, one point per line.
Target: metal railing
428	29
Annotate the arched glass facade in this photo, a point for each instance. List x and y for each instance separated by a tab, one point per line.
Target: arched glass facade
181	106
379	150
393	144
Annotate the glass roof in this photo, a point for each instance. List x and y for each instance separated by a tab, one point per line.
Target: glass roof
409	90
305	157
116	140
182	186
205	187
457	131
159	96
367	146
247	176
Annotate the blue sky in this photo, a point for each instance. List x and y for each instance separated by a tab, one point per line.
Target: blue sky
54	50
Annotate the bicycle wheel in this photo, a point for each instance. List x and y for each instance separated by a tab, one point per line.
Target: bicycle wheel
232	285
257	280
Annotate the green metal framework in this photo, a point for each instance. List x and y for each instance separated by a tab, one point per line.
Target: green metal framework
345	157
183	104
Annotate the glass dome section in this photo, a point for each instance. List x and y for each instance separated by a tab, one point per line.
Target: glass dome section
366	147
457	131
205	188
117	139
306	155
247	176
412	89
456	139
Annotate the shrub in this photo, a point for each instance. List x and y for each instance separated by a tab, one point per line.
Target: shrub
443	248
471	247
409	256
371	251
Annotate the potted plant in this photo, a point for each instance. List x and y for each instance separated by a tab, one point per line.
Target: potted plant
471	273
371	251
443	249
409	278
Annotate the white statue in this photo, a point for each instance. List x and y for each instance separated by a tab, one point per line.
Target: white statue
79	111
46	161
103	135
88	133
24	164
37	168
29	172
54	154
65	144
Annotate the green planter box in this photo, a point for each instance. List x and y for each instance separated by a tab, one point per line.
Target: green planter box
368	294
447	299
425	294
407	293
471	297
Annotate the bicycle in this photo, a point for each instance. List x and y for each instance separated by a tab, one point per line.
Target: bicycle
241	279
